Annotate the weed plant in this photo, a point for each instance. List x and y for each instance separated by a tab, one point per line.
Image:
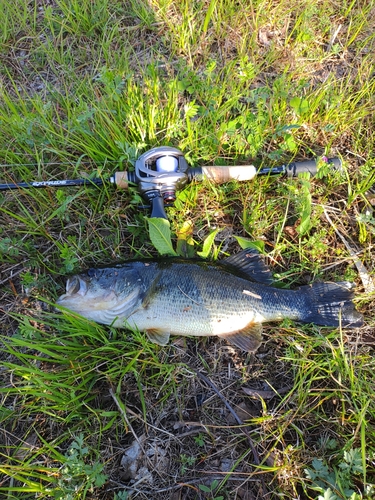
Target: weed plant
85	88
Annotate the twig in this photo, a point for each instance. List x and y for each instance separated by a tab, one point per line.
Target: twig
216	476
186	295
8	278
16	273
136	415
326	267
123	413
259	394
367	281
333	38
233	413
238	420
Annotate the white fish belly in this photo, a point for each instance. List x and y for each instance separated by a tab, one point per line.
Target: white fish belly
186	317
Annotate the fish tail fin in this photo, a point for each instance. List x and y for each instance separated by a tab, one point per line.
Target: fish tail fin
330	304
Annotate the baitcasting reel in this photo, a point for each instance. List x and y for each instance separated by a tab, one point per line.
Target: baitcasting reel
161	172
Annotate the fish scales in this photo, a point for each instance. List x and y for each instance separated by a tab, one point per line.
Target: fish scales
199	300
230	299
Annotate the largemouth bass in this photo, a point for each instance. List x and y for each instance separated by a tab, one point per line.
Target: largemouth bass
230	299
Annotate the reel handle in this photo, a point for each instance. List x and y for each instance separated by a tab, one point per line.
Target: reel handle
157	207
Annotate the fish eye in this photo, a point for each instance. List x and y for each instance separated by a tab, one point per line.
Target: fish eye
91	273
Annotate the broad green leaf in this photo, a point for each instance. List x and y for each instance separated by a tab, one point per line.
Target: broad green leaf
185	242
300	105
160	235
289	143
305	225
245	243
207	244
204	488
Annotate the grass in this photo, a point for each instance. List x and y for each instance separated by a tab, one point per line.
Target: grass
85	88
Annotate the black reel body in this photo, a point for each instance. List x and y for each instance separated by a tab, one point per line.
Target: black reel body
159	173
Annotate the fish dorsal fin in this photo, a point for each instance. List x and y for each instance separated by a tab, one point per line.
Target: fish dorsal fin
157	336
247	339
249	264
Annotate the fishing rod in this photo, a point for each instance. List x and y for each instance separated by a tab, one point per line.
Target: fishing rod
160	172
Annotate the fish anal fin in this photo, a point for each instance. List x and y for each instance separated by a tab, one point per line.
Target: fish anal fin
249	264
157	336
247	339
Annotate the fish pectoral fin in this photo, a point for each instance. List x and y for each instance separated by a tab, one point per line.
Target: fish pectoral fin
159	337
151	292
248	339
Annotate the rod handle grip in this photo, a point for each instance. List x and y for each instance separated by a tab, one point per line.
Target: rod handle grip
219	175
298	167
121	180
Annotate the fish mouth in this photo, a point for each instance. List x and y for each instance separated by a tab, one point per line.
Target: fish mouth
74	286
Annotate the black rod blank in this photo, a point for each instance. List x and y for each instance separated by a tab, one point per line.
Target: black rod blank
44	184
291	170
